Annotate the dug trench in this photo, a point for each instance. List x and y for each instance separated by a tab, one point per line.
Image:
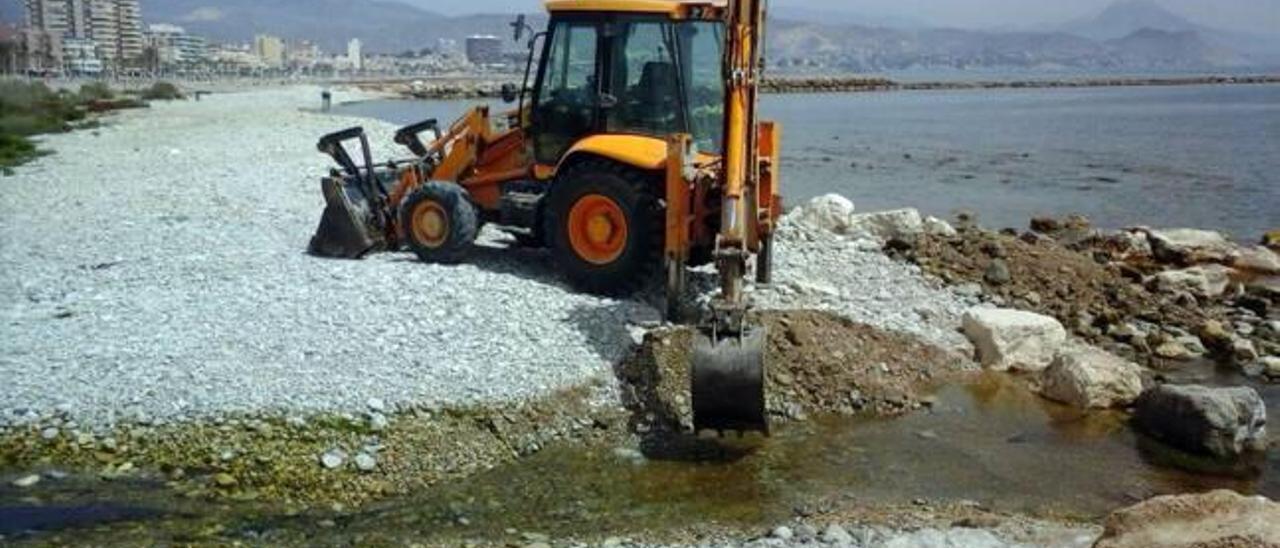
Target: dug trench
873	427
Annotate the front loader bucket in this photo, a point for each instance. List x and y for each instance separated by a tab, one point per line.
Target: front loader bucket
348	228
728	382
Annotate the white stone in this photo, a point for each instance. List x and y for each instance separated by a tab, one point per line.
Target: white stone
376	405
1208	281
1013	339
366	462
783	532
333	459
831	213
835	534
1258	259
1270	366
948	538
1191	245
934	226
1243	350
27	481
888	225
1088	378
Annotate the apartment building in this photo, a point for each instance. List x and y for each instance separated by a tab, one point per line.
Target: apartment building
113	26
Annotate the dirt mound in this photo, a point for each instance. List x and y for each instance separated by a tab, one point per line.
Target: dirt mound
818	364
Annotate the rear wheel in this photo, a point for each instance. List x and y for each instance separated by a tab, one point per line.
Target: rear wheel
605	227
439	222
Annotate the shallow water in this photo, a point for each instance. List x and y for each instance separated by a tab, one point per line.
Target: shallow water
990	441
1200	156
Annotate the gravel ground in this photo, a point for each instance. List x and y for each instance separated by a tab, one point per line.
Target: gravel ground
1022	535
153	270
850	277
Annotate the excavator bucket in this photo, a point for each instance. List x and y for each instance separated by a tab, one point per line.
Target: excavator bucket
354	223
348	229
728	382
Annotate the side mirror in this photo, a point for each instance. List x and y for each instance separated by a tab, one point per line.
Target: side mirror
510	93
519	26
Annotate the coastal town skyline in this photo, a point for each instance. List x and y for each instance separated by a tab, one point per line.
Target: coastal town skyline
106	37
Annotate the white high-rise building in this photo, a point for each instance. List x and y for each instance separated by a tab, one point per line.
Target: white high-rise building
269	49
355	54
174	46
129	40
115	26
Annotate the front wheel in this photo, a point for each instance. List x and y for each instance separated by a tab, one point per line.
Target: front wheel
606	227
439	222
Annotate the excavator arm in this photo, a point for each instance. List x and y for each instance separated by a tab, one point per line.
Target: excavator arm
729	354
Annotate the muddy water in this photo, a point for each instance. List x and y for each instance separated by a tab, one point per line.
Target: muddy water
990	441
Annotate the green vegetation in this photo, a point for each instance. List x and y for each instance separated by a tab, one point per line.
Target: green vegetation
32	108
162	91
96	91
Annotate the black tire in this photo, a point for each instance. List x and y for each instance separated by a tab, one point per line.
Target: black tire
461	227
640	263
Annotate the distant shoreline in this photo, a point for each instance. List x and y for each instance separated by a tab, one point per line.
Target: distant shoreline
855	84
488	88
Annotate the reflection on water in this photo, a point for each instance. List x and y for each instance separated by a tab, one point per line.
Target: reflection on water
989	441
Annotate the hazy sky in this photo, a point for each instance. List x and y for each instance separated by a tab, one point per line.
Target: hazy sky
1253	15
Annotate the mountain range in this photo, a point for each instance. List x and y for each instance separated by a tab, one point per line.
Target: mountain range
1132	35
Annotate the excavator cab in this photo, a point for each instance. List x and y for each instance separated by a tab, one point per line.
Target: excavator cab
634	152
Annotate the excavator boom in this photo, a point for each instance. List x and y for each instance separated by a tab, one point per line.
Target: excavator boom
729	353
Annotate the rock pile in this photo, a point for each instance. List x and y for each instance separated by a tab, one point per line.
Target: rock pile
1159	297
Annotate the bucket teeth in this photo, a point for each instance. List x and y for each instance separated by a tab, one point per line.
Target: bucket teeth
728	382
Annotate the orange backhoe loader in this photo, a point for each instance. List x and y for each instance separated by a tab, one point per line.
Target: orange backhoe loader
634	153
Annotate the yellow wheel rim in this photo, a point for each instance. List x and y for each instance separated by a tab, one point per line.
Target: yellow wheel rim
597	229
430	224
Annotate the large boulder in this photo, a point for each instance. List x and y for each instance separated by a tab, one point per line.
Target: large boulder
1219	519
903	224
1088	378
1258	260
1221	422
1190	246
1208	281
1013	339
831	213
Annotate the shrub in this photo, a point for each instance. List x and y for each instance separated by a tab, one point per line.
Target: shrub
96	91
162	91
15	150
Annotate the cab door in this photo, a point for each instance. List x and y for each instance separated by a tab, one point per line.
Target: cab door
567	105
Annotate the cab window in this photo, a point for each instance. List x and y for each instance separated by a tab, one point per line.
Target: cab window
565	110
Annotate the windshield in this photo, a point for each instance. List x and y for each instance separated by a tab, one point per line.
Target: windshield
666	78
701	44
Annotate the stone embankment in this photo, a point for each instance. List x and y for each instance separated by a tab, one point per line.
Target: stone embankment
489	89
856	84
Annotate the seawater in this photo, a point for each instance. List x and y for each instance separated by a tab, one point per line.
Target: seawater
1183	156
